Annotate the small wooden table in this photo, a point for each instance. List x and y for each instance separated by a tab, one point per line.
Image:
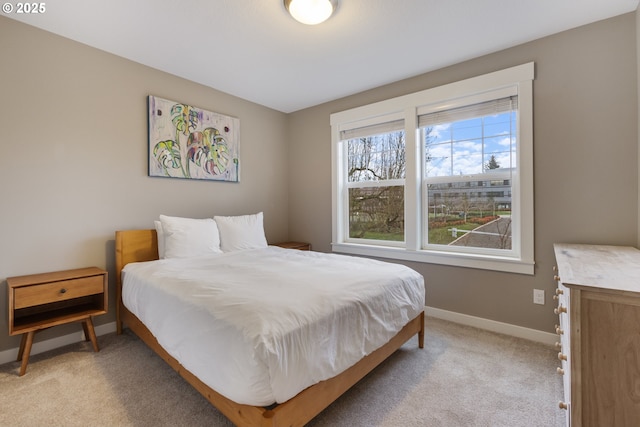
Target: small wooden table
40	301
295	245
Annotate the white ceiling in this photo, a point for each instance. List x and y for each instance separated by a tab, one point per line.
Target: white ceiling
254	50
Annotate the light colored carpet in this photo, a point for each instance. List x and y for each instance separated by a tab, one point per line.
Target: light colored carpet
463	377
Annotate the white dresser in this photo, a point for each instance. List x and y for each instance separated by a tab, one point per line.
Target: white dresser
599	327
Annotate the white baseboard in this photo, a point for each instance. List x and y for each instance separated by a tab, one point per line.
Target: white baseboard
464	319
491	325
53	343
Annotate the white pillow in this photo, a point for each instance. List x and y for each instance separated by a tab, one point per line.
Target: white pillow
187	237
160	234
241	232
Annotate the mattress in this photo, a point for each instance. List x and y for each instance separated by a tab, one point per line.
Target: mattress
259	326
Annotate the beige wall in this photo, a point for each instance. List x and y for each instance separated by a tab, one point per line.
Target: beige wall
73	158
585	161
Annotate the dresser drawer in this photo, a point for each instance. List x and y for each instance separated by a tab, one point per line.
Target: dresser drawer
45	293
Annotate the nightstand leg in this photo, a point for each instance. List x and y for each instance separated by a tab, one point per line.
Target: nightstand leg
90	333
25	350
23	341
86	330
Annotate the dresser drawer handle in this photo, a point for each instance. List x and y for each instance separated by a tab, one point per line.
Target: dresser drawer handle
560	309
563	405
63	291
558	346
559	291
558	330
560	371
562	356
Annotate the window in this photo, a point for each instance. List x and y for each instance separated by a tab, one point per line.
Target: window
443	176
471	142
375	173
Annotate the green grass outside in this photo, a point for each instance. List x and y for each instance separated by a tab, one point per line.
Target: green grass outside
437	236
442	235
396	237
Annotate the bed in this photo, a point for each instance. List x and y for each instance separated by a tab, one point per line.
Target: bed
290	406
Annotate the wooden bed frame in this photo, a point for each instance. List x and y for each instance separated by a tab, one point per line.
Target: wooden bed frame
142	245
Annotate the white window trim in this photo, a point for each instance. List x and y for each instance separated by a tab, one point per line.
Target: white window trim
408	107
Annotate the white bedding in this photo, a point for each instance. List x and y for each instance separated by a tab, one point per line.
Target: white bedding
259	326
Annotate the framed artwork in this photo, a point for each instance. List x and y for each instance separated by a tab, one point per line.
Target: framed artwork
192	143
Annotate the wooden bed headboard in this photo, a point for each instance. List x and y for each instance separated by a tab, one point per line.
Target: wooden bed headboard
135	246
132	246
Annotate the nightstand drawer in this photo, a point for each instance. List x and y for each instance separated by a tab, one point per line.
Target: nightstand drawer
29	296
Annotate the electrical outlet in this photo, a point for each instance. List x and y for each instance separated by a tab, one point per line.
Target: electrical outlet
538	296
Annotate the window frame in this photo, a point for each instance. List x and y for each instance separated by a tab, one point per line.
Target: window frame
409	107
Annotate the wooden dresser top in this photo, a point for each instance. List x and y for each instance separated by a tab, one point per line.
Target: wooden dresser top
599	266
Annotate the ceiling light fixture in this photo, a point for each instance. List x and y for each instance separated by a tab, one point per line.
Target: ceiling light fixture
311	12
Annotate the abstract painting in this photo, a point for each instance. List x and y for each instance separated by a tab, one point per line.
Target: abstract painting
192	143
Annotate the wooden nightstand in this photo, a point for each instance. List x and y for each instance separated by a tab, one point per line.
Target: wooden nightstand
40	301
295	245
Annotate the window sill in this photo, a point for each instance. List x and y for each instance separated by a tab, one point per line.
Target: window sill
483	262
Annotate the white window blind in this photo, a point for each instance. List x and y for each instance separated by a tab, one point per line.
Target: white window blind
486	108
376	129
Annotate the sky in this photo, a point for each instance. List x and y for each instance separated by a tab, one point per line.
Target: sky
463	147
456	148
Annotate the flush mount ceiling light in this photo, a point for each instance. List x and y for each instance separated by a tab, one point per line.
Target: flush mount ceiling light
311	12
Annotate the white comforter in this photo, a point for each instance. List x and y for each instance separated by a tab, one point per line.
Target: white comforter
259	326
